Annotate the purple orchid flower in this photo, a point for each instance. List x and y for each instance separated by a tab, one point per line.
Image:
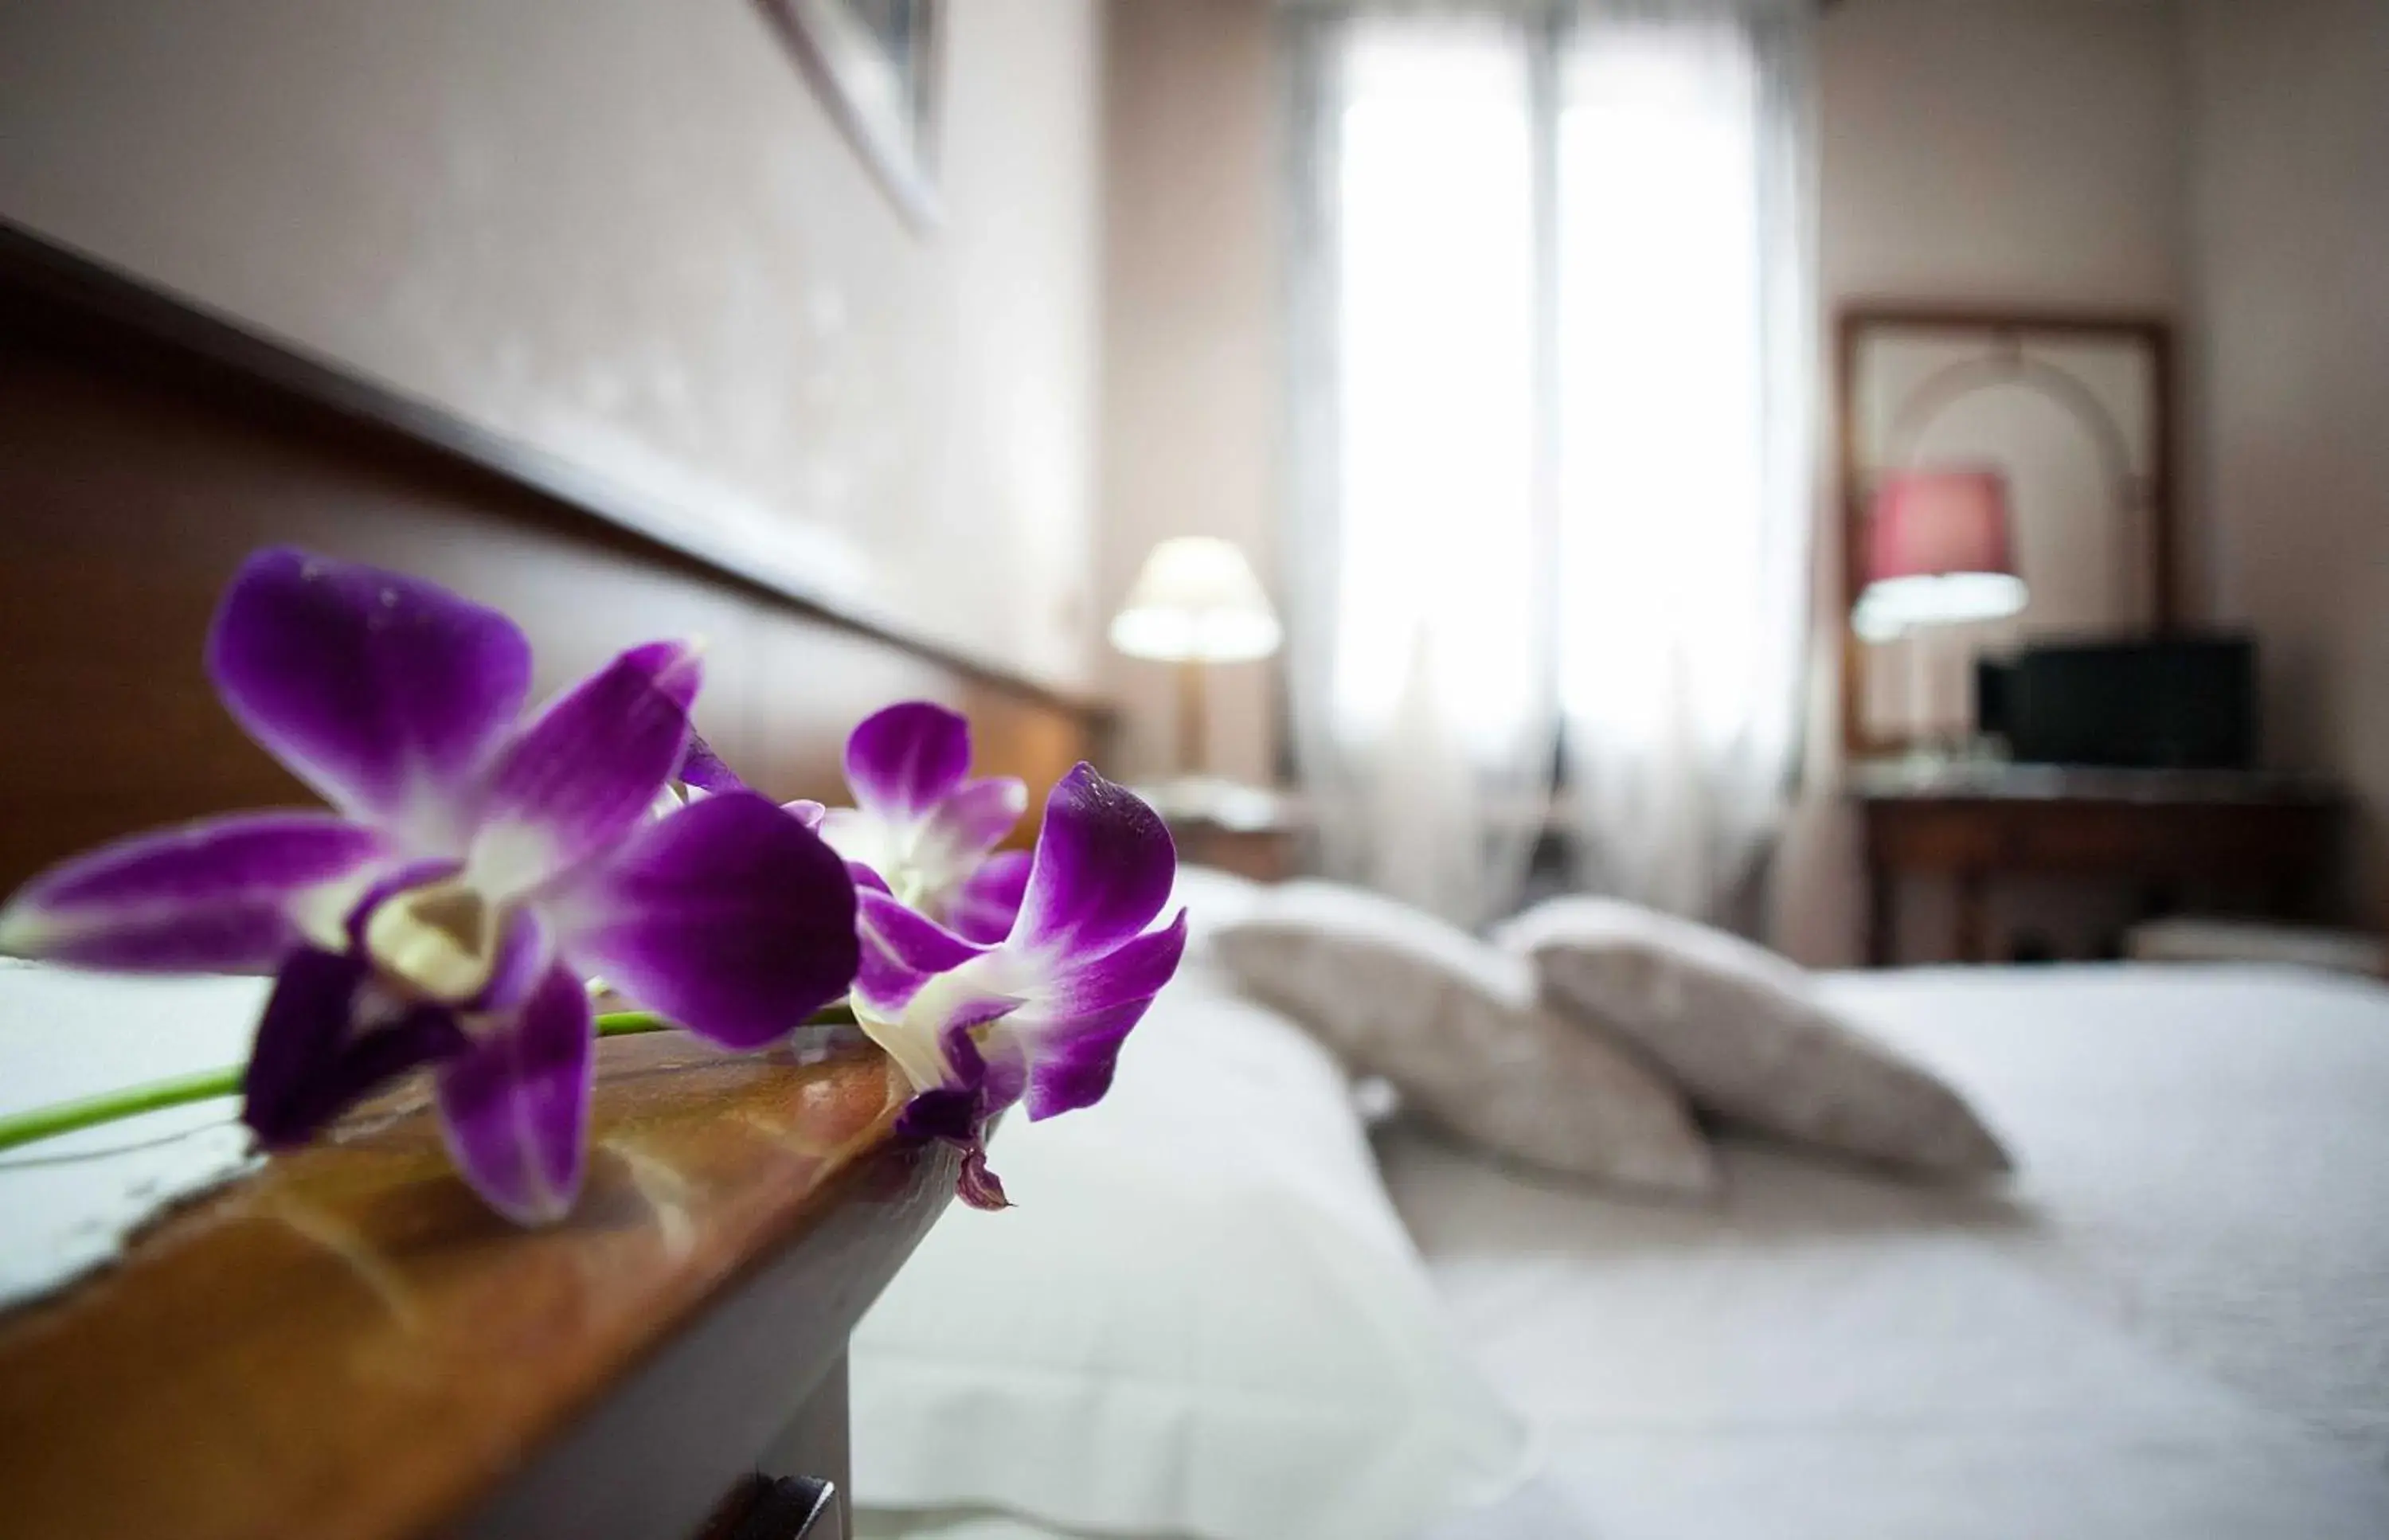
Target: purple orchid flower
476	869
1038	1017
923	827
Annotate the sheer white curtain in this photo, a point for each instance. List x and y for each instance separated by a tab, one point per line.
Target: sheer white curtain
1553	318
1424	720
1685	382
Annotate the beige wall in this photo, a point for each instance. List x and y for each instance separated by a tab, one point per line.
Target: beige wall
2027	152
627	233
1191	353
2292	202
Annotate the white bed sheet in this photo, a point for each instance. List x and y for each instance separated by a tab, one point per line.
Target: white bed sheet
2173	1321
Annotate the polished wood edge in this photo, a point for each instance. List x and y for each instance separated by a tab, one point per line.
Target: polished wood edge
705	1393
190	338
1930	315
1854	317
2303	799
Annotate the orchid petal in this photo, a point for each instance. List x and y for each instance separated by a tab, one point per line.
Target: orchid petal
729	917
580	776
973	821
1103	867
526	951
999	1078
901	762
514	1107
947	1113
313	1060
703	769
862	836
1074	1061
805	810
984	908
1135	970
227	895
380	690
902	951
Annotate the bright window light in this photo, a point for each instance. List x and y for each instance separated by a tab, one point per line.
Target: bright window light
1660	365
1436	360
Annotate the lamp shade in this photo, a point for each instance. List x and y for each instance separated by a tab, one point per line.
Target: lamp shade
1939	551
1196	599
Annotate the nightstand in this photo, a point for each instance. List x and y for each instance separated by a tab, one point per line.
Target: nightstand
345	1341
1250	830
1263	855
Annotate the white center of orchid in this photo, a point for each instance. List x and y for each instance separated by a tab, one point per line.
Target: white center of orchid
915	1038
917	867
440	940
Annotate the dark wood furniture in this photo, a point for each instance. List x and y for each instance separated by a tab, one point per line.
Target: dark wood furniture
349	1346
1265	855
2271	838
1250	830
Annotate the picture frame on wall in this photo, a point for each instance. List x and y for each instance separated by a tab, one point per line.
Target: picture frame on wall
875	66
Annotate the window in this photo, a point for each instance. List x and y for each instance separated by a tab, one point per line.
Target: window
1551	445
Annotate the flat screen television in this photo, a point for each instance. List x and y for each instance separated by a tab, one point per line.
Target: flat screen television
2182	701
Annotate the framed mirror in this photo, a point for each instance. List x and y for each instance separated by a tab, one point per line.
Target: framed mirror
2005	478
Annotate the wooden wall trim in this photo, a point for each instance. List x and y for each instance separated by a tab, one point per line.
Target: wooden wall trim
105	302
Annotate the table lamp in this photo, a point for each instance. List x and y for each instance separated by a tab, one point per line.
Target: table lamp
1938	552
1196	603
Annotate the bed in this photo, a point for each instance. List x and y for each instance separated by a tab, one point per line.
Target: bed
2173	1320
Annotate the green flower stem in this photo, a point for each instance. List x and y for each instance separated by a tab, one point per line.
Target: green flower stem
65	1117
629	1023
90	1111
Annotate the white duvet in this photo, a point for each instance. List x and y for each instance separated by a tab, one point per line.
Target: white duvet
2173	1321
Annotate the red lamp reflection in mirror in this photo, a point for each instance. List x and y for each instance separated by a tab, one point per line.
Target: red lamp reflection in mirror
1939	551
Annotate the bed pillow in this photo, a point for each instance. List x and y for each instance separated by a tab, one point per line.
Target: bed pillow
1743	1031
1202	1319
1211	899
1454	1025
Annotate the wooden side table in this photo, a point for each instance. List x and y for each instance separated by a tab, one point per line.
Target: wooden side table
1252	831
349	1346
1263	855
2270	835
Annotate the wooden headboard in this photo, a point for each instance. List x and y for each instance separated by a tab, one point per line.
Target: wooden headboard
147	448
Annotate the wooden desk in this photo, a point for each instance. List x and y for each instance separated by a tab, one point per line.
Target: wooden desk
2268	835
349	1346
